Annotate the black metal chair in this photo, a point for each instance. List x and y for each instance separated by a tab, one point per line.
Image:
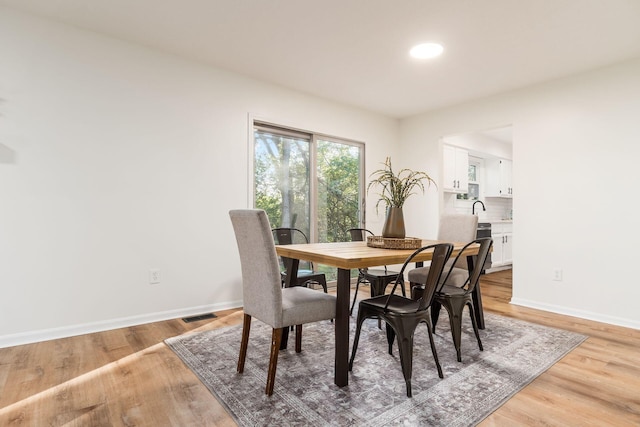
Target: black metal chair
455	297
403	315
306	273
377	279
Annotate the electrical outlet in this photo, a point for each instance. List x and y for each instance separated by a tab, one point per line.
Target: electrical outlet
557	275
154	276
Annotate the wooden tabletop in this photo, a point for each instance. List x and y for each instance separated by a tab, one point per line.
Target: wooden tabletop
349	255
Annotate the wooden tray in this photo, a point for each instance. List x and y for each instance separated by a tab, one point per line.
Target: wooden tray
391	243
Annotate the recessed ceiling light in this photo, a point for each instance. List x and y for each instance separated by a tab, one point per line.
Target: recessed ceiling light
426	50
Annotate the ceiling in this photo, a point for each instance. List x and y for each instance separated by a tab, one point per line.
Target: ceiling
356	51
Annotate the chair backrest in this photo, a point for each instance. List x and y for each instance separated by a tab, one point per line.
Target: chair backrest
291	236
359	234
261	283
458	228
473	279
441	254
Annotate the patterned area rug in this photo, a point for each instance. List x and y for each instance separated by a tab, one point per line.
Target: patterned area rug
515	353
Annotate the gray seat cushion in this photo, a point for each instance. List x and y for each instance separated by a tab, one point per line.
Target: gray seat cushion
457	277
302	305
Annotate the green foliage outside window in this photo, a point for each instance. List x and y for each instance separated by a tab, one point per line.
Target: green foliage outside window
338	190
282	184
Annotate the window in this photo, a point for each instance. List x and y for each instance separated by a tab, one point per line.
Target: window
308	181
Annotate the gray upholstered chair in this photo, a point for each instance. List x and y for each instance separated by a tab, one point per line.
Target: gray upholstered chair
263	296
453	228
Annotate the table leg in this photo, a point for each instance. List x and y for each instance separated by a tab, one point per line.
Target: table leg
291	267
476	297
341	375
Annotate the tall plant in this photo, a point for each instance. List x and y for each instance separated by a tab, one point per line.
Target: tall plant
395	189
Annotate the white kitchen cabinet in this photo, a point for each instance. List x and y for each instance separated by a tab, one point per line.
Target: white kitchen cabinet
499	178
502	235
455	166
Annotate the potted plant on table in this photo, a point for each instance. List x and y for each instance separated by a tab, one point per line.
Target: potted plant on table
394	190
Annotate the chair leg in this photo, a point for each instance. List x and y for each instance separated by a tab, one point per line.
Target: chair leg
433	350
323	283
475	325
404	329
454	308
405	345
246	327
355	297
276	337
391	335
356	338
435	313
378	288
298	338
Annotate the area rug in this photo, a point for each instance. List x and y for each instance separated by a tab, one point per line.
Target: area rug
515	352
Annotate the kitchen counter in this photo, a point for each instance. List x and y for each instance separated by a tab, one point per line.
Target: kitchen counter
485	220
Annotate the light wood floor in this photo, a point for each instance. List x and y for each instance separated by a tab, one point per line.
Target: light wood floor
128	377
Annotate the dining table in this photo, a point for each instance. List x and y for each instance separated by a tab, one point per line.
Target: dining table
346	256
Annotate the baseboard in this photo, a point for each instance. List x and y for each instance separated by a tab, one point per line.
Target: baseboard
581	314
499	268
124	322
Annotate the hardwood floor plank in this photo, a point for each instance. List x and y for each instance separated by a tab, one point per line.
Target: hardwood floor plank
129	377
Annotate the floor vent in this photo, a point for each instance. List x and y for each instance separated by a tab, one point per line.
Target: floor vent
200	317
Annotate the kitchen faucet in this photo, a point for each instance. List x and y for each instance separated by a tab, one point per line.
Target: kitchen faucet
473	208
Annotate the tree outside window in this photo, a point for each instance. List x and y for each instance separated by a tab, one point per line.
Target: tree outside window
314	183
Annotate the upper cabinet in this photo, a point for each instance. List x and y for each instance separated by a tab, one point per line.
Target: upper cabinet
498	172
455	169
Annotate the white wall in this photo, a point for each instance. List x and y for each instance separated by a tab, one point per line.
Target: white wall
116	159
480	145
575	157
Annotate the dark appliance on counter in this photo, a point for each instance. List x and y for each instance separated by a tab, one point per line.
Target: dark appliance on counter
484	230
